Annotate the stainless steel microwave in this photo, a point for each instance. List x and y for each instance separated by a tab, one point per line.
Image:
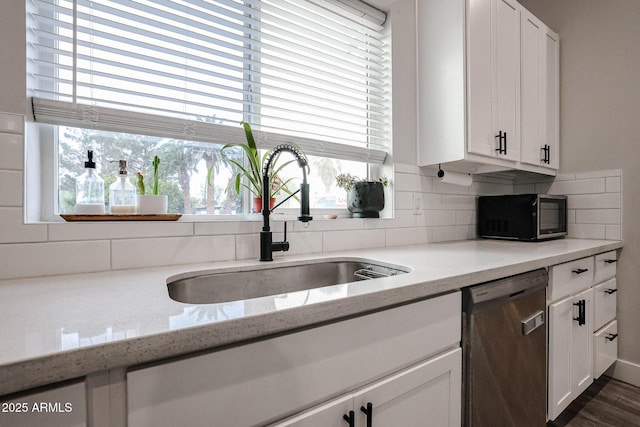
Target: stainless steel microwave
529	217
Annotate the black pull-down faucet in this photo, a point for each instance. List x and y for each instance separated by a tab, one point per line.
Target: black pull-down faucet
267	245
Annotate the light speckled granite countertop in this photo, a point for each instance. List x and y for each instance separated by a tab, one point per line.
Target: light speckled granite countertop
62	327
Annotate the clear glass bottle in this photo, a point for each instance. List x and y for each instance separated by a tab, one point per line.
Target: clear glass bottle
122	193
89	189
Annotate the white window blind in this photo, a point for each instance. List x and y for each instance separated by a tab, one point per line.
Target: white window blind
312	72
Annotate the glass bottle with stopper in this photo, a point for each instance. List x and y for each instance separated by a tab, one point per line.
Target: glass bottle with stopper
89	189
122	193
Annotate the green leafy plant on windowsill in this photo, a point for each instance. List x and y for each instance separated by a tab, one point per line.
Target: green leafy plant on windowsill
253	171
140	182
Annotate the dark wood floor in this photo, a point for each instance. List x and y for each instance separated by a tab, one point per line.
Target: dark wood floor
607	403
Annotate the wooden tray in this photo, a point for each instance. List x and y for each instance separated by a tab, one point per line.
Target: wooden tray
120	217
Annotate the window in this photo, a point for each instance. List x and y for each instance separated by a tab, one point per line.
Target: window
135	78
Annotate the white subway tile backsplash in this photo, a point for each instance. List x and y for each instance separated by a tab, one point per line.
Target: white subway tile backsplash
41	259
411	182
134	253
319	223
226	227
579	186
440	217
300	243
11	123
595	201
612	184
587	231
13	229
426	210
598	216
613	232
458	202
10	188
598	174
404	199
118	230
432	201
247	246
12	150
408	236
465	217
448	188
449	233
403	218
355	239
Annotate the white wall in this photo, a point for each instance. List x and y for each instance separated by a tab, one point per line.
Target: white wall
600	123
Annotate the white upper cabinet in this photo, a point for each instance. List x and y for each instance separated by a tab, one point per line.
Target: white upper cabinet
539	93
487	86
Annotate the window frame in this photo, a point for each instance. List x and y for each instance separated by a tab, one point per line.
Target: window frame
49	193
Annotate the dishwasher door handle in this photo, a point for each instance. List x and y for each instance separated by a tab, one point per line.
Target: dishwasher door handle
532	323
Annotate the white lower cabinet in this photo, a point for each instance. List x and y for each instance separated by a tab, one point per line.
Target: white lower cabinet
605	348
398	359
53	406
570	350
428	391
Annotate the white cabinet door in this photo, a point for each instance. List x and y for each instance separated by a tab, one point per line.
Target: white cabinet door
429	391
531	86
480	75
605	348
570	350
494	78
550	91
539	93
507	75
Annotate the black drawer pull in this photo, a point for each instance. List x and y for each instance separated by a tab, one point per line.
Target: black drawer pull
580	270
610	291
350	418
610	261
368	411
611	337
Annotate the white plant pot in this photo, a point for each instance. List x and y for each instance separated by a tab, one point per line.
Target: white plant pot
150	204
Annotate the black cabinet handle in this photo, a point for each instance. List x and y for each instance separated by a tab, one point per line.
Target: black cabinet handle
368	411
610	291
546	154
610	261
582	318
611	337
350	418
502	142
580	270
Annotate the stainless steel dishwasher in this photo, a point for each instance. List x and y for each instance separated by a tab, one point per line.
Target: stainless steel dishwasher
504	343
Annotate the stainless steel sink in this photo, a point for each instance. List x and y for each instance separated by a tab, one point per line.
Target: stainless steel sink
240	284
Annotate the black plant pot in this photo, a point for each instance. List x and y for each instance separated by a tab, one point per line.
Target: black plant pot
366	200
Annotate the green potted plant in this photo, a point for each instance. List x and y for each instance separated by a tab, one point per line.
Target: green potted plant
253	171
151	203
365	199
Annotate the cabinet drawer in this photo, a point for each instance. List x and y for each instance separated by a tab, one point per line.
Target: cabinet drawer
263	381
605	303
605	266
571	277
605	348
